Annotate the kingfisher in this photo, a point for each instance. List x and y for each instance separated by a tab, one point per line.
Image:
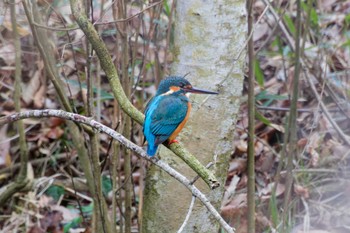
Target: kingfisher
167	112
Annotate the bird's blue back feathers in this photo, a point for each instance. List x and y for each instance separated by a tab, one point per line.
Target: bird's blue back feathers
163	114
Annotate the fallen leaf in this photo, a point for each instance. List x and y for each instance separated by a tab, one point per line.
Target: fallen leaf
5	158
67	214
237	165
31	88
7	54
230	191
21	30
261	31
265	193
301	191
55	133
39	97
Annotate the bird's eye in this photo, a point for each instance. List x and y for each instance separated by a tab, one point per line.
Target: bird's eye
182	85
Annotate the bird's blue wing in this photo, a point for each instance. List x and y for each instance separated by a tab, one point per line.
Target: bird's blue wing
167	117
163	116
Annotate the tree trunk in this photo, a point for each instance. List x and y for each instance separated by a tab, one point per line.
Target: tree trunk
209	35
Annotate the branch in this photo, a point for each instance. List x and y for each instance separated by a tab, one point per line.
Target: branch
118	92
128	144
105	59
188	215
251	123
291	139
130	17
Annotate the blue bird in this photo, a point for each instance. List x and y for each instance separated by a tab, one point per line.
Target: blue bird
168	111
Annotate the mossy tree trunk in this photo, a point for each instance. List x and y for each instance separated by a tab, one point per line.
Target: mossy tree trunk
209	35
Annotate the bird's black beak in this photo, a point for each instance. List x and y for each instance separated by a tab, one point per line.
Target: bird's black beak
199	91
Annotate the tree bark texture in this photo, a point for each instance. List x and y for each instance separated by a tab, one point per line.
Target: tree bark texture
209	35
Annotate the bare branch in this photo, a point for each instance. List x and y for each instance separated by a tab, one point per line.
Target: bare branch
187	215
130	17
251	123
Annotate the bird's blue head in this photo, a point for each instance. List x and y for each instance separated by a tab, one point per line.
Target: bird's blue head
177	84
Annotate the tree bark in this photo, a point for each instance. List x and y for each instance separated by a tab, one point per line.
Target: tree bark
209	35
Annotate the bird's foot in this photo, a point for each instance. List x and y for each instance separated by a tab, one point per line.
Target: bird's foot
173	141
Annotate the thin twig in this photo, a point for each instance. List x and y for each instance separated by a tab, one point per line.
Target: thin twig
188	215
128	144
286	109
54	28
292	149
130	17
251	123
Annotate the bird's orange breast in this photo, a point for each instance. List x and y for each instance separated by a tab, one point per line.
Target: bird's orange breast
182	124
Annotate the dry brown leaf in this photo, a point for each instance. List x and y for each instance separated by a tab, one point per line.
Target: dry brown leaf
30	173
69	67
230	190
21	30
55	121
237	165
237	209
7	54
265	162
258	148
241	146
262	30
324	124
39	97
55	133
301	191
265	193
279	128
302	142
5	158
314	157
51	222
44	201
68	215
31	88
262	222
238	201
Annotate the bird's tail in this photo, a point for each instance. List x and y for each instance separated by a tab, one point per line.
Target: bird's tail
151	150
